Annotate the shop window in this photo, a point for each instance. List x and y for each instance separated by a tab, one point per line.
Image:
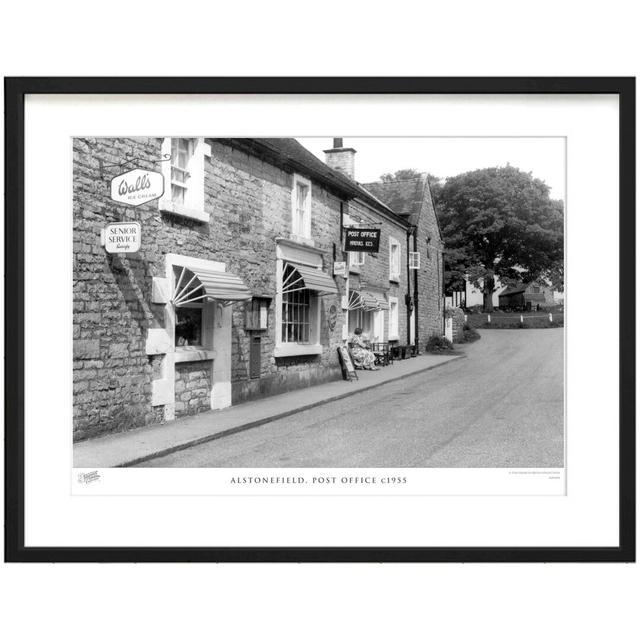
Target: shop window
189	305
296	316
394	259
299	309
188	327
301	207
393	318
363	319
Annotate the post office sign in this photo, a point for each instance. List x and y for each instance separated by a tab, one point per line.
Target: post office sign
137	187
122	237
367	240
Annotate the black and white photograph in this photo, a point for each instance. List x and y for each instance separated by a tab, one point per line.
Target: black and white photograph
361	317
308	302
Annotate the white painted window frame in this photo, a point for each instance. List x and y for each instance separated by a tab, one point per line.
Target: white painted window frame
303	233
394	270
312	258
193	206
189	353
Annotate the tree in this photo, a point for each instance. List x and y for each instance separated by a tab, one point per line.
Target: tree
401	174
500	222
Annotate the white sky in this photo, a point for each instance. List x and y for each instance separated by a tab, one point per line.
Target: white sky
444	157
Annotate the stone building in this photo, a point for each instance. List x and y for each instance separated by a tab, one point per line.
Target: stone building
527	296
231	295
412	201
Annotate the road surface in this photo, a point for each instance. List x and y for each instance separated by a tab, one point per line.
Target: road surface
501	406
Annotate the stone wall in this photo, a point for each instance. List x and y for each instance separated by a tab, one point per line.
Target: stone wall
430	289
192	388
112	374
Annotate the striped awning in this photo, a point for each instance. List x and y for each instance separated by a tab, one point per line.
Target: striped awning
379	297
369	301
198	284
299	276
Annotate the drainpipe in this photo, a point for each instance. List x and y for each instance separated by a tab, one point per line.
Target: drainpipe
407	298
415	293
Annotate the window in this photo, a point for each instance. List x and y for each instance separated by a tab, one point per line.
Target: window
296	316
363	319
189	305
299	309
301	207
356	258
183	174
414	260
394	259
181	153
188	327
393	318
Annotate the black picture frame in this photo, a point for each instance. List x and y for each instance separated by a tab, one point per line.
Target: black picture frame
15	91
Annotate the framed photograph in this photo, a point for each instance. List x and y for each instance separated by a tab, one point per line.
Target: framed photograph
320	319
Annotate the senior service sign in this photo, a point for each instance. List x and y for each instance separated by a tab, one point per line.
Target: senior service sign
122	237
137	187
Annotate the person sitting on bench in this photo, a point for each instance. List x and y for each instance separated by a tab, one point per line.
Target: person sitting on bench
363	358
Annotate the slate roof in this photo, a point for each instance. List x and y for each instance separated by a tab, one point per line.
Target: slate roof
405	197
522	288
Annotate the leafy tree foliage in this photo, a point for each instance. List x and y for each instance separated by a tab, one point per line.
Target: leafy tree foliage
401	174
500	222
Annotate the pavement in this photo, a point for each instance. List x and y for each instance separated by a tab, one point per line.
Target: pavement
501	406
149	443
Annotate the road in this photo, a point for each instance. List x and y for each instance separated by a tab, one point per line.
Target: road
501	406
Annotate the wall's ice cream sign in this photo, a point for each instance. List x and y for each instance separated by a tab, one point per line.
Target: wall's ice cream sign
137	187
122	237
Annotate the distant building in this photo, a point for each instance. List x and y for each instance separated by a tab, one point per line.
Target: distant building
412	201
526	296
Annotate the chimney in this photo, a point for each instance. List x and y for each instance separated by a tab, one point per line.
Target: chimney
341	158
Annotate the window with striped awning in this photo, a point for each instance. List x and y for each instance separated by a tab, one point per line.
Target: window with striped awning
196	285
